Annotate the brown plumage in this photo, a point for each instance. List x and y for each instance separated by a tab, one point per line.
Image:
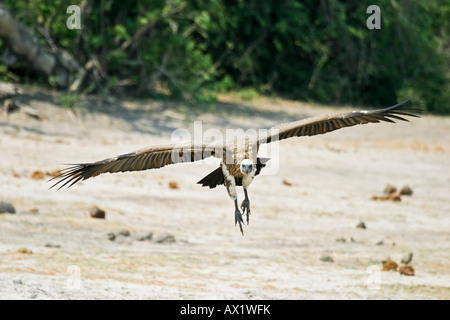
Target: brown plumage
232	171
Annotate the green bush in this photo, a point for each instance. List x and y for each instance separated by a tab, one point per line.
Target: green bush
312	50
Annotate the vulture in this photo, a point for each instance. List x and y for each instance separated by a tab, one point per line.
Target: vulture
239	158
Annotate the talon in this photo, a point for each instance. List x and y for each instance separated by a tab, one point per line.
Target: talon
238	218
245	206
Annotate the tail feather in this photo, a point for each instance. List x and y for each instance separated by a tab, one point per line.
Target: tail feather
213	179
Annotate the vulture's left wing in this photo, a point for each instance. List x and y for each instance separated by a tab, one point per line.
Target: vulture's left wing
323	124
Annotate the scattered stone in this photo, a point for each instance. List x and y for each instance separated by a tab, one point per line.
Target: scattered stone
389	189
24	250
287	183
406	270
10	105
30	111
111	236
380	243
54	173
124	233
342	240
407	259
38	175
406	191
148	236
7	207
392	197
395	197
52	245
326	258
361	225
34	210
96	212
165	238
17	281
173	185
390	265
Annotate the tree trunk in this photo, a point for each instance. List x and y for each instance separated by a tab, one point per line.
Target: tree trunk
22	44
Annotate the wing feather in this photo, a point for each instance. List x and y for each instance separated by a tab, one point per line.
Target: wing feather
144	159
323	124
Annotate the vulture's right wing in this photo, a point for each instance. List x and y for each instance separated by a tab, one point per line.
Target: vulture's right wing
144	159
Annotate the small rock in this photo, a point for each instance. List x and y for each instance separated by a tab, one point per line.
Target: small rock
380	243
30	112
17	281
124	233
7	207
361	225
342	240
389	189
406	191
392	197
390	265
395	197
148	236
165	238
52	245
326	258
24	250
54	173
38	175
111	236
287	183
173	185
10	105
97	213
406	270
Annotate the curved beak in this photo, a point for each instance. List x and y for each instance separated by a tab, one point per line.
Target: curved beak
247	168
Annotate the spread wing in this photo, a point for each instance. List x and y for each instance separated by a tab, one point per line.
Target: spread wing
144	159
323	124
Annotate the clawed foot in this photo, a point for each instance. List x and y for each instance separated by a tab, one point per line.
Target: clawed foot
245	207
238	218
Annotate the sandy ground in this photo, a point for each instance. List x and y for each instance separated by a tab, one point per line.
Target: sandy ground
52	249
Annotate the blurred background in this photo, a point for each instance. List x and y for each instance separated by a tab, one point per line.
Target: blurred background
319	51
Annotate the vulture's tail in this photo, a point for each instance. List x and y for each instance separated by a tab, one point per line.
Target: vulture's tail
216	177
213	179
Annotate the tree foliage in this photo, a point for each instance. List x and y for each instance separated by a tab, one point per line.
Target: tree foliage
315	50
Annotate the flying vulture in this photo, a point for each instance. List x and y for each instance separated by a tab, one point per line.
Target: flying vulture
239	158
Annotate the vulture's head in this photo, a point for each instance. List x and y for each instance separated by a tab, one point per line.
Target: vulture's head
246	166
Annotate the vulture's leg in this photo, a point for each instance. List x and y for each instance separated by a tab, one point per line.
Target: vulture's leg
230	183
238	216
245	206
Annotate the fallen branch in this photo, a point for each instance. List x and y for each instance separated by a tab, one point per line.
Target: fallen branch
22	44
